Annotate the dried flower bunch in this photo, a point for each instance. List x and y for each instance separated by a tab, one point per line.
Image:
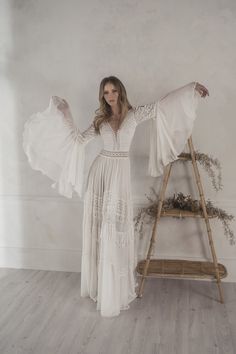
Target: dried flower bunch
183	202
208	163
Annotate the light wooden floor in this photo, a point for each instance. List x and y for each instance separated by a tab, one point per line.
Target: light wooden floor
42	312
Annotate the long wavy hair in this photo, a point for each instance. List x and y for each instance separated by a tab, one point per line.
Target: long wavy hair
104	112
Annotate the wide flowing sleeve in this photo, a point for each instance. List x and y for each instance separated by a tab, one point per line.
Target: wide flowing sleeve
172	119
55	146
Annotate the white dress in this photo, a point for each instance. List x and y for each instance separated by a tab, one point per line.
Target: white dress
55	146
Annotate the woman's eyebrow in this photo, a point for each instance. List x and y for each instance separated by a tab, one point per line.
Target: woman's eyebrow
112	90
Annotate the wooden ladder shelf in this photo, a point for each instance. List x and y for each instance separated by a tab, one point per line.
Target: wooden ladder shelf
181	268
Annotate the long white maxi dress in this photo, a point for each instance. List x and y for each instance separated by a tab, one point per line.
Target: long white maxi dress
55	146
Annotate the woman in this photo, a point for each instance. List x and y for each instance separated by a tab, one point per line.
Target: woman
55	146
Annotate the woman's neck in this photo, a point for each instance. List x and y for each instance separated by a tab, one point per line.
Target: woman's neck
115	110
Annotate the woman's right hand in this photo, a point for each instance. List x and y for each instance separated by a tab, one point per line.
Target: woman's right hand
61	104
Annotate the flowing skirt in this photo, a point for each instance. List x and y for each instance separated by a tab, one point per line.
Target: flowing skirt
109	254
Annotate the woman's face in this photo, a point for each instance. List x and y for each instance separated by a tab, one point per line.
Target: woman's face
110	94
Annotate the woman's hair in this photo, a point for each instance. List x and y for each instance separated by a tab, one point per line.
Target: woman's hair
104	112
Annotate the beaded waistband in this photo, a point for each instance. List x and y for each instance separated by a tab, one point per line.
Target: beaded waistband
114	153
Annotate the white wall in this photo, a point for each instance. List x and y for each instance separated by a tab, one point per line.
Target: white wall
66	48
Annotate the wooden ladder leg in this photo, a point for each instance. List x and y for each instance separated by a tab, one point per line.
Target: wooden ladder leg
203	204
153	237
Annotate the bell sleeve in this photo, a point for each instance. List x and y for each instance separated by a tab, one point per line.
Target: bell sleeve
172	119
55	147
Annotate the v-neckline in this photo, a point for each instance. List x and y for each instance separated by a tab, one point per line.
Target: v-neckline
115	132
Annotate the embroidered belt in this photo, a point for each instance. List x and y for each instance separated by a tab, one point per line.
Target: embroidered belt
114	153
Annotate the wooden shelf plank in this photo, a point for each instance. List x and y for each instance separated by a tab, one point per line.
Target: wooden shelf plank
184	156
181	268
185	213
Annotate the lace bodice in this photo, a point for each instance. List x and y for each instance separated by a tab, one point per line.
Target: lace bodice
122	138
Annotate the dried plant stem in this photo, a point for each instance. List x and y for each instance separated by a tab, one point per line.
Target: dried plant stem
184	202
208	162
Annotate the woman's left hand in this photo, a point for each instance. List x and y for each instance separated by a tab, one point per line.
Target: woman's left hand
201	89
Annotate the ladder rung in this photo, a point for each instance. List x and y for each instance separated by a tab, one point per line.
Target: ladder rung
185	213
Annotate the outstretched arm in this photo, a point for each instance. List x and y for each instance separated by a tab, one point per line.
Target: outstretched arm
55	146
82	137
172	124
148	111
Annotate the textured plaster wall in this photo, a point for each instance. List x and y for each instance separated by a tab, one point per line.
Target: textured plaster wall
66	48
